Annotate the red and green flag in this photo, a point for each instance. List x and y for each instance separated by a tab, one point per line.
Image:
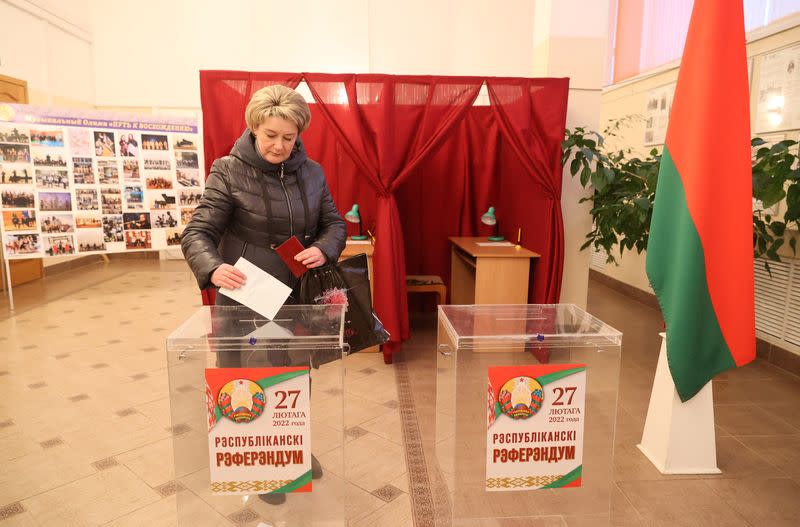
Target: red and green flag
700	252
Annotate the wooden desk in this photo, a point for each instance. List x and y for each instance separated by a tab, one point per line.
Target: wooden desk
351	249
483	274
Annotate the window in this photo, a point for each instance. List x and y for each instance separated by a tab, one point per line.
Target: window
651	33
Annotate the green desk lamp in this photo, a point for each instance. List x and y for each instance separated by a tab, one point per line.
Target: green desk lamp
354	217
489	218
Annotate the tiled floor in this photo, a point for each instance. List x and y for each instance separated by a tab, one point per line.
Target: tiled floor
86	437
85	431
758	433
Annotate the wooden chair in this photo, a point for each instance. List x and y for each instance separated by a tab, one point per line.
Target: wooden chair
427	284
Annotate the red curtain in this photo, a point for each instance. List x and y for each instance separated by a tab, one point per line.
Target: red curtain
532	116
423	164
388	125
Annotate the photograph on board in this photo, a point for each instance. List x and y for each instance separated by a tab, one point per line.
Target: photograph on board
138	240
13	133
41	137
49	178
55	201
83	171
49	159
16	244
111	200
86	199
19	220
59	245
17	199
57	223
112	228
104	144
13	153
91	240
155	142
15	175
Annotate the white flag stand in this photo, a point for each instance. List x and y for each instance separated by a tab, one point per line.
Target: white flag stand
678	437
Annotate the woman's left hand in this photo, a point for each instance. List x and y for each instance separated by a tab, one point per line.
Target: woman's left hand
311	257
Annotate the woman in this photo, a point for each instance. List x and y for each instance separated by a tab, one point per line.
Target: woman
266	191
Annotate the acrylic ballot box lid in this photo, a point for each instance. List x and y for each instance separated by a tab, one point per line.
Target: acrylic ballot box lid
232	327
532	326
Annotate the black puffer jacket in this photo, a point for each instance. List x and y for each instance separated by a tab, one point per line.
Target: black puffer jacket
247	209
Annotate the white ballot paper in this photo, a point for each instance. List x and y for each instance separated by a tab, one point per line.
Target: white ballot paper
495	244
263	293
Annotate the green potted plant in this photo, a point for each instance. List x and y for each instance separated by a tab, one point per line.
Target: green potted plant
623	189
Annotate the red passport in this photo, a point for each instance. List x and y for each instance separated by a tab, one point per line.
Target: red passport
287	251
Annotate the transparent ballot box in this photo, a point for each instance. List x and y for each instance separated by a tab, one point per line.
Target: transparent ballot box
526	399
245	422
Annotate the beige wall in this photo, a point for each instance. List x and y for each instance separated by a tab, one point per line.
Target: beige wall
48	46
629	98
52	54
447	37
144	56
173	40
568	46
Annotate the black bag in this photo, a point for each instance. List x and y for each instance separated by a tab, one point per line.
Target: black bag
349	278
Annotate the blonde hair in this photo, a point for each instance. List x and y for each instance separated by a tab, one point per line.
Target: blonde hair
277	101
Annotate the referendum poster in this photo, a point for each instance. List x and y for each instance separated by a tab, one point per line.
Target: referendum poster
259	430
80	182
535	418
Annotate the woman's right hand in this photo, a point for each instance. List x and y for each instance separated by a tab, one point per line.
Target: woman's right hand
228	276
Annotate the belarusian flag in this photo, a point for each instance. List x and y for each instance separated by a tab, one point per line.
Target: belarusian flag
700	253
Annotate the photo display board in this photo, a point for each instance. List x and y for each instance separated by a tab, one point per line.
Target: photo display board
81	182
